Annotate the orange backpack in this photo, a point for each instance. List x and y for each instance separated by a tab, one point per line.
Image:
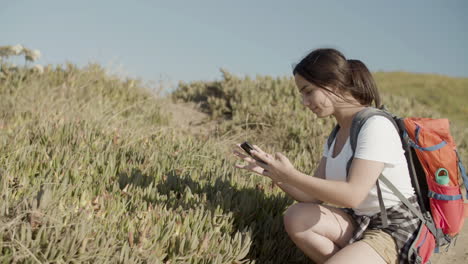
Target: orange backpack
438	166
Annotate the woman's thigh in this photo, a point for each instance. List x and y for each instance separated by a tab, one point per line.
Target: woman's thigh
330	222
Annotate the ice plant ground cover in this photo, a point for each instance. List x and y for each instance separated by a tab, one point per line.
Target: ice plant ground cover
91	171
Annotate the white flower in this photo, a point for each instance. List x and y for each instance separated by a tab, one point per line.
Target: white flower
32	55
36	54
38	68
17	49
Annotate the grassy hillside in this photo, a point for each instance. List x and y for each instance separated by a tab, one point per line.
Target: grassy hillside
92	171
447	95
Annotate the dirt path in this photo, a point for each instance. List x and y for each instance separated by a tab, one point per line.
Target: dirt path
187	118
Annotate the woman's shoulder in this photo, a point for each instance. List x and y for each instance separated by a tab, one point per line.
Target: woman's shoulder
379	140
379	125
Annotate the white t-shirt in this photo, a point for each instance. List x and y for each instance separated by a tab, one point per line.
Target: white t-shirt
378	140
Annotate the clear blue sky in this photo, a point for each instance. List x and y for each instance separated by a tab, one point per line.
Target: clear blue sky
192	40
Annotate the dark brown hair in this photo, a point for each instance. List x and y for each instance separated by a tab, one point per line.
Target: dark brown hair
330	68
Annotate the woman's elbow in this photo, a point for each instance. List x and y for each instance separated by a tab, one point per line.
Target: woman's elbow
355	195
353	202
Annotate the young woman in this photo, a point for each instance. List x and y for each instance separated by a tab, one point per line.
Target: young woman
332	85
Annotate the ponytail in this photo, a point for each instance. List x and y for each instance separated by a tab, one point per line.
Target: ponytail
362	84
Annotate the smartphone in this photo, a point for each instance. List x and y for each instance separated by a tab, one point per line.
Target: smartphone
247	148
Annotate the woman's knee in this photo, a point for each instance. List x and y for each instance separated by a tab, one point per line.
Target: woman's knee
328	222
300	217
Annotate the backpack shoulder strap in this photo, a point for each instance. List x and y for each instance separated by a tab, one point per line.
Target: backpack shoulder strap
358	121
332	135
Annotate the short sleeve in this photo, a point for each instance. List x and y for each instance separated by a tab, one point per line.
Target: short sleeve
379	140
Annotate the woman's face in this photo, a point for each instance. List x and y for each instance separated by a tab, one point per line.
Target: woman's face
319	100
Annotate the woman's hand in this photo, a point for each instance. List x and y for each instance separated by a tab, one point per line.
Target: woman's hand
277	168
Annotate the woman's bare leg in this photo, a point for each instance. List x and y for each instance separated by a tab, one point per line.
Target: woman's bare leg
318	230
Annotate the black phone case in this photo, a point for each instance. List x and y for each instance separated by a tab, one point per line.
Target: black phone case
247	147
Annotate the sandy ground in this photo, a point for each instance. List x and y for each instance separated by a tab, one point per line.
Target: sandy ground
457	254
186	117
